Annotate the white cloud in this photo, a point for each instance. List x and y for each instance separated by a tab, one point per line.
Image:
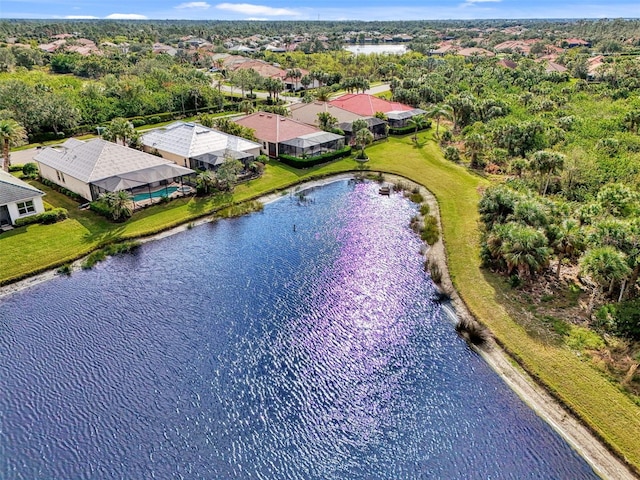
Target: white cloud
254	10
197	5
471	3
125	16
80	17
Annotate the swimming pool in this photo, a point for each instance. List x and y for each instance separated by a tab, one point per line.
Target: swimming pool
163	192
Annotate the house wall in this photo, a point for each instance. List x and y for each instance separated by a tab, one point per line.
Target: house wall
173	157
70	183
14	213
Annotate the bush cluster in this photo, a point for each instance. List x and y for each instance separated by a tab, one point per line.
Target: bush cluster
44	218
298	162
60	189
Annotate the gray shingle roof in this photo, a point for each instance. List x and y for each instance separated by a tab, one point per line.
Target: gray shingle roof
13	189
312	139
401	115
96	159
138	178
190	140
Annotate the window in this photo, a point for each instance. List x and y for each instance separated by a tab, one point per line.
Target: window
60	176
26	207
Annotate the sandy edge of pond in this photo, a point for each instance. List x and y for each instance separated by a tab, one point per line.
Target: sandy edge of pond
603	462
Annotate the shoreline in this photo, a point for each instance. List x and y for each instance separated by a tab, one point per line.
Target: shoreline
582	440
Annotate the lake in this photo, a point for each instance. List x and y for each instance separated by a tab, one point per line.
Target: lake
397	49
301	342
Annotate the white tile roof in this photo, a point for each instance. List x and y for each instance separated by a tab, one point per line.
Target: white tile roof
189	140
96	159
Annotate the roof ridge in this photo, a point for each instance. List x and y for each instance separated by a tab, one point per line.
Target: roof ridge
98	157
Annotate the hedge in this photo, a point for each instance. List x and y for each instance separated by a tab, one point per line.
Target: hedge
298	162
407	129
58	188
45	218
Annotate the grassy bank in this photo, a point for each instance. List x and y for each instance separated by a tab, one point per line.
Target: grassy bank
611	414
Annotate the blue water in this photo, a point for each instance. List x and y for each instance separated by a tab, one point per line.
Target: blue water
164	192
249	349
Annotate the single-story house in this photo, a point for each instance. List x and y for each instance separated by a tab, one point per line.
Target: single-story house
96	166
18	199
282	135
198	147
366	105
308	113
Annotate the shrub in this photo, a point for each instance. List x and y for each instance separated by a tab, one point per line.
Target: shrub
30	170
430	232
65	269
15	168
452	154
45	218
153	120
434	271
425	209
138	122
298	162
472	331
416	197
621	318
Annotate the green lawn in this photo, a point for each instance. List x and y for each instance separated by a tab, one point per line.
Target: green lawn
610	413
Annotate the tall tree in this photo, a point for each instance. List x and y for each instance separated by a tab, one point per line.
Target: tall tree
418	122
439	112
363	138
11	134
546	164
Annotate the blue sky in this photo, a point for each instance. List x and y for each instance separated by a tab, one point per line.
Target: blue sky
318	9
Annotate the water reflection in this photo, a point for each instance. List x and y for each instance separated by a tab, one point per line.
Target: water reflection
245	349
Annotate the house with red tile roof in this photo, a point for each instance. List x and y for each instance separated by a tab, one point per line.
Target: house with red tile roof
281	135
398	114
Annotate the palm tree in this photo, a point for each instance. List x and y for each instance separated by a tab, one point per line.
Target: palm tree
606	266
438	112
326	121
546	164
11	134
474	145
119	205
205	182
119	129
567	241
418	122
246	106
524	249
363	138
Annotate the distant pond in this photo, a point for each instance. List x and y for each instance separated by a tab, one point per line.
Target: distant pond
301	342
367	49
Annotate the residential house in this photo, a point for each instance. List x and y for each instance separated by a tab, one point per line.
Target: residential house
96	166
198	147
18	199
308	113
282	135
398	114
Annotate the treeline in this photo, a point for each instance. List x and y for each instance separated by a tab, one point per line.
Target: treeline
60	103
149	31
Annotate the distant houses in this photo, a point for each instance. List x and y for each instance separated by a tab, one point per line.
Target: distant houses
94	167
18	199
